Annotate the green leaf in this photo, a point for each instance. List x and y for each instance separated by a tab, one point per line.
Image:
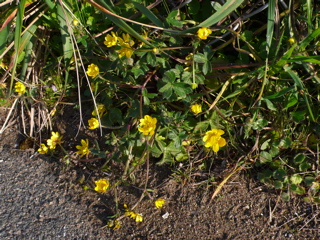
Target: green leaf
278	184
265	145
181	89
286	143
200	58
270	105
137	72
298	116
297	189
259	124
202	126
169	76
265	157
280	174
274	151
304	166
299	158
280	93
296	179
285	196
171	19
151	59
308	180
166	90
290	101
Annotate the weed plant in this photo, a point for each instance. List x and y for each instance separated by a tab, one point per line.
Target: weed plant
186	84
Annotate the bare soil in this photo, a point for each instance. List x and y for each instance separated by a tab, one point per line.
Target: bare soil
41	198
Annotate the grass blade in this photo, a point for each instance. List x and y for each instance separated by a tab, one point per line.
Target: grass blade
153	18
305	42
64	16
270	24
17	40
224	11
301	86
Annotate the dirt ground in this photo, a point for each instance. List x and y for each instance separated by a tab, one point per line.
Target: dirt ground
244	209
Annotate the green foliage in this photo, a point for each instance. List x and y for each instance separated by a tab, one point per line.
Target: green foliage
257	81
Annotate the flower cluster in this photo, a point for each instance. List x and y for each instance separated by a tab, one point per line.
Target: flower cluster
93	70
83	149
114	224
43	149
20	88
204	32
131	214
102	185
148	125
94	122
125	43
214	140
54	140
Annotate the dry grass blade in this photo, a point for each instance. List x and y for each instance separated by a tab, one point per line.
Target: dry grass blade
224	181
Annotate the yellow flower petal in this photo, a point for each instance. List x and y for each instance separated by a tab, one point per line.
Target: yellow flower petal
204	32
20	88
101	185
159	202
148	125
93	123
93	70
196	108
83	148
213	139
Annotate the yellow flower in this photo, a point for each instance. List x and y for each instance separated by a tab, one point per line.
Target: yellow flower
147	125
189	57
196	108
111	40
93	123
125	50
114	224
291	41
54	140
101	110
159	202
214	140
101	185
131	214
20	88
126	43
204	32
83	149
126	39
75	22
138	218
43	149
93	70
